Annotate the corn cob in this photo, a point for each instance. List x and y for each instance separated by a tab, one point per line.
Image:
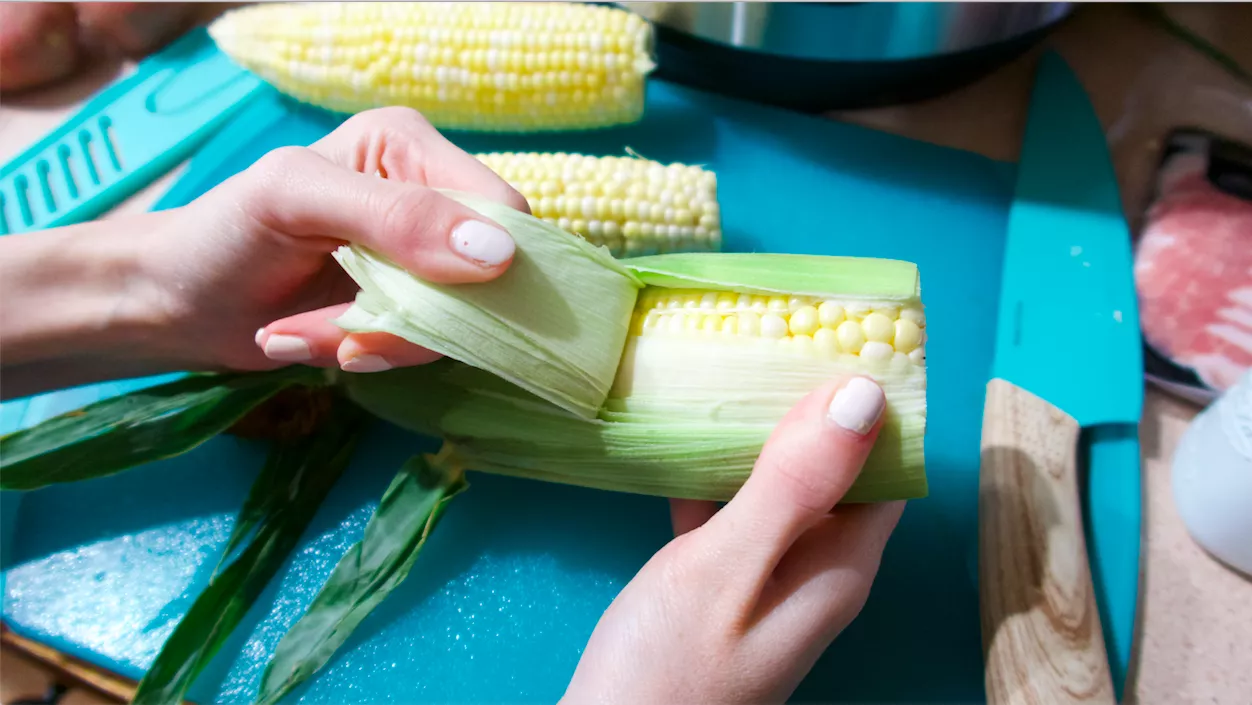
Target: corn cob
709	355
630	205
496	67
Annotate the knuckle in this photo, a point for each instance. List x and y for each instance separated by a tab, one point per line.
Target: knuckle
387	118
279	163
255	186
408	212
806	482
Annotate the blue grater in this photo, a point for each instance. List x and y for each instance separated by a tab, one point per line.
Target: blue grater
124	138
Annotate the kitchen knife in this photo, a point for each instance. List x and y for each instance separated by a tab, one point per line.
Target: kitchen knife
1067	356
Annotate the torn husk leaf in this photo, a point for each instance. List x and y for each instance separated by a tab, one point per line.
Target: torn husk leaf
554	323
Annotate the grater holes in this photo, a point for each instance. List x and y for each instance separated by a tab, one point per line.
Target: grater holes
43	170
84	143
65	159
21	188
109	136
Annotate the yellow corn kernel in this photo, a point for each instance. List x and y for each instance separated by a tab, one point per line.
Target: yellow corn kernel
878	328
908	336
830	314
851	336
507	66
566	189
804	321
856	311
826	342
914	316
793	324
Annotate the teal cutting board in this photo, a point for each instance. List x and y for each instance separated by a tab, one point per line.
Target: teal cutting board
509	588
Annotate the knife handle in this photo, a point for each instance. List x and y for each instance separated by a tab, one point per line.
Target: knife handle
1042	641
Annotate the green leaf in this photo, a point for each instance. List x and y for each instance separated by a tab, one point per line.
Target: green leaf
296	479
761	273
146	425
367	573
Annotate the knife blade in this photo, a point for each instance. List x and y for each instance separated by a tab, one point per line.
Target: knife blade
1067	356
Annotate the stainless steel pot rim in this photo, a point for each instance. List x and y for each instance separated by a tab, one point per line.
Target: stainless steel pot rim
857	31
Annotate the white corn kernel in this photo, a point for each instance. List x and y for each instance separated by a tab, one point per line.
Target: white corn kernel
773	326
874	350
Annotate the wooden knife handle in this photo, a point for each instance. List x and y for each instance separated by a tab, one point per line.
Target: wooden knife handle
1042	641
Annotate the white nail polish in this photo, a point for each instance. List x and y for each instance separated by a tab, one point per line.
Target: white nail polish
857	406
481	243
260	332
288	348
365	363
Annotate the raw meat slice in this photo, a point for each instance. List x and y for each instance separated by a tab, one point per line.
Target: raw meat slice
1193	272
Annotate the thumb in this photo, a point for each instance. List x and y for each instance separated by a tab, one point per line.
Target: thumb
806	467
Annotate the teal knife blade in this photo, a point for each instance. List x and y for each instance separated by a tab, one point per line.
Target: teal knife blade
1068	326
1067	357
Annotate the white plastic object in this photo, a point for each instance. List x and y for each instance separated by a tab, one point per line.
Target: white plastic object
1212	477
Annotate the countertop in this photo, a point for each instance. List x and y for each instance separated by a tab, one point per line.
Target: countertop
1195	625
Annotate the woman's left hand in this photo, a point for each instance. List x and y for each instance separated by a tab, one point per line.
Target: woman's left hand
242	277
247	266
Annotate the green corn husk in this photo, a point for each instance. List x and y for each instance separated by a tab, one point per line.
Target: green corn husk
531	326
686	417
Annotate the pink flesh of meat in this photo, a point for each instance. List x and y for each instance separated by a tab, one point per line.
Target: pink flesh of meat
1193	271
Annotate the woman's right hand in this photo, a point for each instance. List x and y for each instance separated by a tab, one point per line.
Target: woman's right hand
739	606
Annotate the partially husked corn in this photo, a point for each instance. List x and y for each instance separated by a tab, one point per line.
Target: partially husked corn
630	205
801	325
717	348
507	66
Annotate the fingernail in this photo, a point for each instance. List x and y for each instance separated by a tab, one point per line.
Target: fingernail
857	406
365	363
288	348
482	244
260	333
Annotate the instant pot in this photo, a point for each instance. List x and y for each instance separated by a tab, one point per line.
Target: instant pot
816	56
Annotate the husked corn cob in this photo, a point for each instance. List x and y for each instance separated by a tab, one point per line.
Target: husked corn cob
630	205
498	67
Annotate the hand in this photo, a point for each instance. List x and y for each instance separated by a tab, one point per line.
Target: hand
42	42
242	278
739	606
246	270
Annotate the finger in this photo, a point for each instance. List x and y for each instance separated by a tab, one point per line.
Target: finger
824	580
688	514
38	44
398	143
805	468
296	192
309	338
136	28
376	352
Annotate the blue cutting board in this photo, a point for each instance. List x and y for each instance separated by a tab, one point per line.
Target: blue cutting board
508	590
